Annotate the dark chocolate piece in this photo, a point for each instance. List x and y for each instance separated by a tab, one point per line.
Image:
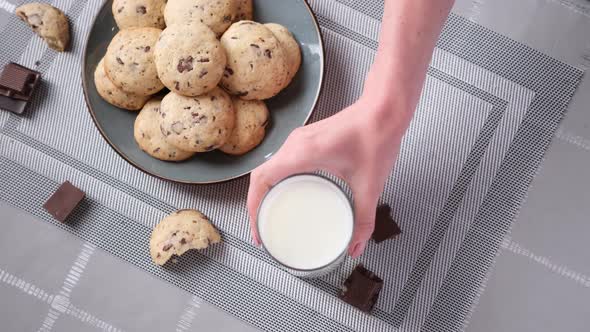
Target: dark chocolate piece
385	226
61	204
17	84
361	289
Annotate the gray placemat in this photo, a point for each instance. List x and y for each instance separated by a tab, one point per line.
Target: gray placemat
488	112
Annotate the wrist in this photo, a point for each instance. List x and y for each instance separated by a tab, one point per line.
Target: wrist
389	113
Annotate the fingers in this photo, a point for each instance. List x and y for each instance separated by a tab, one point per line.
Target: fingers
364	215
264	177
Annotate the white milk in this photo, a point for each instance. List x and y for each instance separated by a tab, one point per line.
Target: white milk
305	222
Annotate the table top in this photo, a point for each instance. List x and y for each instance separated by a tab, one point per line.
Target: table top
490	192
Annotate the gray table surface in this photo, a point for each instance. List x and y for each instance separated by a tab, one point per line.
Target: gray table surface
540	279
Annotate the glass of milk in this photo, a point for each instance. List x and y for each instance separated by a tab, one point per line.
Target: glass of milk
305	223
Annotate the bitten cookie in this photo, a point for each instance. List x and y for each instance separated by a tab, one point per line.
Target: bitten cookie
197	124
189	59
217	14
290	46
245	11
139	13
112	94
251	120
179	232
256	61
48	22
129	61
149	137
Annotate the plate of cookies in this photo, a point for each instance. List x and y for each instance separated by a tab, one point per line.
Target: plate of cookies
201	91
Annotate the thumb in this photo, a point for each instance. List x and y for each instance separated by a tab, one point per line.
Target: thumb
364	218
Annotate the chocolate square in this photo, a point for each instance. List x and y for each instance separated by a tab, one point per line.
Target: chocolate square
361	289
61	204
17	84
15	79
385	226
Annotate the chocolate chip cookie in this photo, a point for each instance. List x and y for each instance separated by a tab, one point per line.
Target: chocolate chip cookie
129	61
251	120
139	13
217	14
290	46
197	124
189	59
149	137
48	22
257	66
245	11
179	232
112	94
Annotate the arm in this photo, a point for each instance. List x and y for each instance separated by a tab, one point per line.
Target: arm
360	144
408	34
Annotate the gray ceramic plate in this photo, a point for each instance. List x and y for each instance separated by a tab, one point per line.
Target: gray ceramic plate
289	110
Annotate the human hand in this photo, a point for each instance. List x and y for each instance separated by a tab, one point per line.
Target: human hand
353	145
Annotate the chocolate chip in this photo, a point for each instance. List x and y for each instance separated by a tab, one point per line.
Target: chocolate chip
167	247
183	241
229	71
234	37
177	127
203	60
120	61
185	64
203	73
141	10
268	54
177	85
158	255
164	131
219	132
163	115
120	9
227	18
255	45
187	107
242	93
147	49
213	118
213	98
35	21
194	115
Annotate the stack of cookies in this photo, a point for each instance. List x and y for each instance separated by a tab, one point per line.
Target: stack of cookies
217	64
